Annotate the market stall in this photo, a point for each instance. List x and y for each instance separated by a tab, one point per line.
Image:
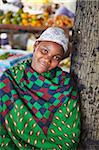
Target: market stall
9	58
29	18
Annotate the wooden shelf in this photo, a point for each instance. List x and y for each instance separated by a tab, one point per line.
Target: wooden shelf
19	28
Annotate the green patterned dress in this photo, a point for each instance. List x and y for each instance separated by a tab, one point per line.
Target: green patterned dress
38	112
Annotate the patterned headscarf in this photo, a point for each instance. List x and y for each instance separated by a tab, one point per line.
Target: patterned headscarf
55	34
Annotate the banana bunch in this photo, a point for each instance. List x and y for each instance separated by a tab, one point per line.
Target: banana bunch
66	62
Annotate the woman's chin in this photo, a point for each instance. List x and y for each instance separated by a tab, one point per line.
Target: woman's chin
40	70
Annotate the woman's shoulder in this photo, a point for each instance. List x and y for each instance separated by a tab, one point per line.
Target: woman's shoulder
70	78
64	74
59	69
16	71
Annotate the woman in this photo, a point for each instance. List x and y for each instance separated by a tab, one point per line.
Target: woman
39	101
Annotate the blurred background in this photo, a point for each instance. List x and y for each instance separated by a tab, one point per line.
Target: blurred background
22	21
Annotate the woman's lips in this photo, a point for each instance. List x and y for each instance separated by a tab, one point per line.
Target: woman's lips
44	64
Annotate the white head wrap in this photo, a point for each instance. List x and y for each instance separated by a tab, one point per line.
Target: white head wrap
55	34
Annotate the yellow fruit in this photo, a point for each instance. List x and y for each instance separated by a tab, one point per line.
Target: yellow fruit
33	16
68	64
24	22
24	15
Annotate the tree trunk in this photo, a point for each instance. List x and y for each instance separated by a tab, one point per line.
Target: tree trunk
85	64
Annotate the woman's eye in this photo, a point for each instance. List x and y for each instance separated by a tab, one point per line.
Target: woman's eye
57	58
44	51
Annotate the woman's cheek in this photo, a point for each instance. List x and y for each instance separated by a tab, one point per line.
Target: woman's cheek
53	65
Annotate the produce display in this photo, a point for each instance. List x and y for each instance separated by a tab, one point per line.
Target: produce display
35	20
24	18
5	56
66	62
60	20
11	57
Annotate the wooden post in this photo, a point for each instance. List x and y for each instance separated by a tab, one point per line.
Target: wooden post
85	64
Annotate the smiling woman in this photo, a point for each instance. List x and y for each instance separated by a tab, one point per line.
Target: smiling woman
39	101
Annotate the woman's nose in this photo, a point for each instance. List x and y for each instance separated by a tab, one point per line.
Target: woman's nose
48	59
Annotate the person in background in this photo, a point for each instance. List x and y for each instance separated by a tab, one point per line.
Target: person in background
39	101
13	2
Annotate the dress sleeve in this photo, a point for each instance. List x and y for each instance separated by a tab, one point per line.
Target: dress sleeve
72	121
6	104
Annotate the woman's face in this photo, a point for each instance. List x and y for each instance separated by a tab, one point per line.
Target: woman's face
46	56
